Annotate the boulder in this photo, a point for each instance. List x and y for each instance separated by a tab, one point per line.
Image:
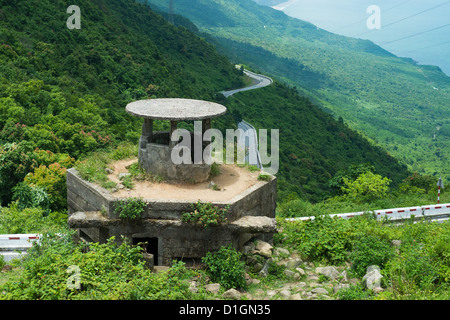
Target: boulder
263	248
329	272
212	287
372	278
293	263
232	294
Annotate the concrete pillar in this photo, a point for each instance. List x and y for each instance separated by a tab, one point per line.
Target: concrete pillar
147	132
206	125
173	127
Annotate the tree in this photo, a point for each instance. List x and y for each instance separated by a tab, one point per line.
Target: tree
367	187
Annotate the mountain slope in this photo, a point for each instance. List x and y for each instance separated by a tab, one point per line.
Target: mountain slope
399	105
65	91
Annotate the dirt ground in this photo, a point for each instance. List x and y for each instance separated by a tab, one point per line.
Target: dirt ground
232	180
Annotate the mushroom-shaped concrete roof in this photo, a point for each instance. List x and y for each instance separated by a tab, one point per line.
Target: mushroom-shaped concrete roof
175	109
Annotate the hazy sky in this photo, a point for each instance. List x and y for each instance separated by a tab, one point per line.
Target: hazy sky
406	26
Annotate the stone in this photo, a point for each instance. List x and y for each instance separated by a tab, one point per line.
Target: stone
319	290
281	252
340	286
293	263
300	271
285	294
212	288
372	278
109	171
232	294
265	269
296	296
211	185
193	286
124	175
329	272
291	274
263	248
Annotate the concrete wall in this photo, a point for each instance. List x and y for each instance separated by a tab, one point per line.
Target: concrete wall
162	219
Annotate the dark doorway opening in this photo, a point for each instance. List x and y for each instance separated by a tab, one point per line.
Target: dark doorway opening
150	245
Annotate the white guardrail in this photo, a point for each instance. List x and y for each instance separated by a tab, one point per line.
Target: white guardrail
435	212
16	245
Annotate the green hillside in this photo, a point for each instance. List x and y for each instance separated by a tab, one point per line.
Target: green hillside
63	95
399	105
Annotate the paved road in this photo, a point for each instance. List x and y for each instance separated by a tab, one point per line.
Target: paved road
250	137
262	81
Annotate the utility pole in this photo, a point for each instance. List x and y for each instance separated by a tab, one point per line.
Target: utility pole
171	6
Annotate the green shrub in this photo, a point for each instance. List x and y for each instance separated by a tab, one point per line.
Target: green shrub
206	214
370	250
225	267
413	269
354	292
323	238
106	272
131	208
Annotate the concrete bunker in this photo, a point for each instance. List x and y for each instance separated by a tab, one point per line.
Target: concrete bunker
251	205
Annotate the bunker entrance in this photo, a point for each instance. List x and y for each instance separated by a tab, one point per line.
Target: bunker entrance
150	245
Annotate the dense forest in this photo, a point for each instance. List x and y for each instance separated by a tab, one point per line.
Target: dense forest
396	103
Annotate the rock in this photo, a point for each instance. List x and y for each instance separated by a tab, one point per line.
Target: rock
281	252
263	248
6	268
372	278
319	290
232	294
285	294
300	271
293	263
124	175
291	274
193	286
271	293
109	171
329	272
296	296
344	276
396	243
212	287
340	286
212	185
248	248
265	269
378	289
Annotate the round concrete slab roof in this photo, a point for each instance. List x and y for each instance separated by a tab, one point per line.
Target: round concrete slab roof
175	109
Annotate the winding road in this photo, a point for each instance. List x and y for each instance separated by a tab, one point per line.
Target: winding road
250	137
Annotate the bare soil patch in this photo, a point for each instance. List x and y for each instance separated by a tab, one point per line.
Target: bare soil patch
231	181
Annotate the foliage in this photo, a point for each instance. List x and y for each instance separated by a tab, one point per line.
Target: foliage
52	180
225	267
370	250
206	214
264	177
131	208
29	220
367	187
354	292
322	239
107	272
